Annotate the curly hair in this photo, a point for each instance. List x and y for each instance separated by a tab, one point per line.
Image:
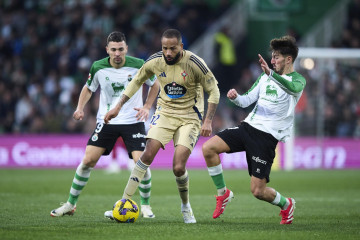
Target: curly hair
286	46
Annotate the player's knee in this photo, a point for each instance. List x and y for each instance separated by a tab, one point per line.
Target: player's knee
208	150
179	170
89	161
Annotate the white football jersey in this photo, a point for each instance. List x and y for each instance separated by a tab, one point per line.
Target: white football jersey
276	98
112	84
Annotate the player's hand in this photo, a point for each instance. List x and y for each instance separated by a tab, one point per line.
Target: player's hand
111	114
78	115
264	65
142	114
232	94
206	129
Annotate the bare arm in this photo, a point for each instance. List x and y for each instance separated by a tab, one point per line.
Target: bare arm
84	97
143	113
115	111
206	128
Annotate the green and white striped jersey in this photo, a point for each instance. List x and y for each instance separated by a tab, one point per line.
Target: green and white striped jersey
112	84
276	96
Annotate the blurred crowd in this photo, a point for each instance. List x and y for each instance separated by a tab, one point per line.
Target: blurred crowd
47	48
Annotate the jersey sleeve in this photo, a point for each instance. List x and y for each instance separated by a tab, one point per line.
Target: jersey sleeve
92	82
251	96
206	79
293	86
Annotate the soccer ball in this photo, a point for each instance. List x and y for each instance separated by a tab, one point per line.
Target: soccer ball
126	211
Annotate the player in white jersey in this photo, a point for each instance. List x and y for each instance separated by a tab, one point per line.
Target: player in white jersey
113	74
276	93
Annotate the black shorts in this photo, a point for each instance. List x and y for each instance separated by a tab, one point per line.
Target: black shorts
258	145
106	135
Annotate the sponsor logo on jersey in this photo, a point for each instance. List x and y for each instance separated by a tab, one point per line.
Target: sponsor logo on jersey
107	79
271	91
162	74
118	88
257	159
129	77
184	74
95	137
174	90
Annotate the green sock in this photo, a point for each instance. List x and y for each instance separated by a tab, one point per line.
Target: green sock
145	188
81	178
280	201
217	176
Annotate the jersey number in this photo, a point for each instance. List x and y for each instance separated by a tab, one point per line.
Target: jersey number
154	119
99	126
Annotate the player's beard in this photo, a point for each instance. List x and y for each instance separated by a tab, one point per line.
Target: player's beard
172	62
281	69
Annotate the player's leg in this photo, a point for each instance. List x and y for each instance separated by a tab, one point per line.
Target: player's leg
159	135
211	150
141	166
185	139
82	175
181	156
144	190
270	195
260	154
139	171
100	143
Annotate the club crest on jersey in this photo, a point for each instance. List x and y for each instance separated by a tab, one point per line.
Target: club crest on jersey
95	137
129	77
184	74
174	90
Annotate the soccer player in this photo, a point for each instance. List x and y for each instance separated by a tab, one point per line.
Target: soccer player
113	74
276	93
183	77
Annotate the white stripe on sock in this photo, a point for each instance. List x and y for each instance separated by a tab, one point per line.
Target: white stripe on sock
213	171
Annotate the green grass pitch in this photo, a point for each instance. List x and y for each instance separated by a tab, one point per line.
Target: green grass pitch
327	206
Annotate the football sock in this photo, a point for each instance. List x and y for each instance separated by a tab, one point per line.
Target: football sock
135	178
81	177
280	201
145	188
183	187
217	176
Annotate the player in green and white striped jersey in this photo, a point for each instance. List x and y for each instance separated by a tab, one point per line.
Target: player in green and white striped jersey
113	74
276	93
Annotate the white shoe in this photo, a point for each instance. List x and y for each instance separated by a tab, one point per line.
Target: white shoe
146	211
65	209
188	214
109	215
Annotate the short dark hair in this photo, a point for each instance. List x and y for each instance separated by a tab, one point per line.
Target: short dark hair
286	46
116	37
172	33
